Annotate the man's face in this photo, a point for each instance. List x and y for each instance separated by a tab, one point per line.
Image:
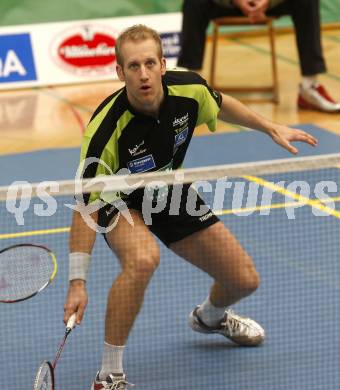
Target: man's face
142	73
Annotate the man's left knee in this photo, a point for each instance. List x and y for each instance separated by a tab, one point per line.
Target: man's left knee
247	283
252	282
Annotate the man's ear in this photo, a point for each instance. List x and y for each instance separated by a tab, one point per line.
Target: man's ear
120	72
163	66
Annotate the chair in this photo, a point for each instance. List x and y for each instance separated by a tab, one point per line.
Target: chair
243	20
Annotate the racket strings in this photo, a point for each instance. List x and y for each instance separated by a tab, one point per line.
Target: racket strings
44	379
24	271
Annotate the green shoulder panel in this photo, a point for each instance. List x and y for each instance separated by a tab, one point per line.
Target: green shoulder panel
209	104
96	121
110	158
109	152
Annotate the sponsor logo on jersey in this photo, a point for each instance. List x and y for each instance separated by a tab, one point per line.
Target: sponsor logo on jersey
181	137
142	164
16	58
183	120
206	216
87	50
137	149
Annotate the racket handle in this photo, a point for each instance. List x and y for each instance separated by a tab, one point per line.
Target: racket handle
71	322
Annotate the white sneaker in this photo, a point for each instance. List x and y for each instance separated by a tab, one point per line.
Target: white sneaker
316	98
112	382
241	330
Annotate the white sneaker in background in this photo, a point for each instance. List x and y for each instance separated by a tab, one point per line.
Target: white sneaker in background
316	98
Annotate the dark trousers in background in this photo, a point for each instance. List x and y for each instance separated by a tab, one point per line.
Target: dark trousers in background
304	13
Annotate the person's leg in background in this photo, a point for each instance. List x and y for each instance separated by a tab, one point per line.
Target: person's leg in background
196	17
306	18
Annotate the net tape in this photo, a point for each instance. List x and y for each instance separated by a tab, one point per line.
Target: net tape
126	182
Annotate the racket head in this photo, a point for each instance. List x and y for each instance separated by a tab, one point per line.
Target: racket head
25	270
44	379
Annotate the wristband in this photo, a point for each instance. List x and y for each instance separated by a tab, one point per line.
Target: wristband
79	264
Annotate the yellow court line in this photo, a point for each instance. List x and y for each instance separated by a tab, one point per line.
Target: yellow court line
217	212
256	208
300	198
269	206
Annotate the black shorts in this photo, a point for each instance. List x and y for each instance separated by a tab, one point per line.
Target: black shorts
183	212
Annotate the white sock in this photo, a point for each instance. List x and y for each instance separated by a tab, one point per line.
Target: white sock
308	81
112	362
210	314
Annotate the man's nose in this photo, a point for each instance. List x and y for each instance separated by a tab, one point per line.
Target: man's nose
143	73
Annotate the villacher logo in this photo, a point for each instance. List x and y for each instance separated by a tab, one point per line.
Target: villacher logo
87	50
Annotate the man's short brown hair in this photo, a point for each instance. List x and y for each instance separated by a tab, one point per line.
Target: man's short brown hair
137	33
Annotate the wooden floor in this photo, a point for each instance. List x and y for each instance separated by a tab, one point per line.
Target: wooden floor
55	117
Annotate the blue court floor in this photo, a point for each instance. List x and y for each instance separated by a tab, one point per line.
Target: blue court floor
297	303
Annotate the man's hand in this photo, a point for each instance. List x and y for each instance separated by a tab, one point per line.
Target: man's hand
233	111
284	135
76	300
246	6
254	9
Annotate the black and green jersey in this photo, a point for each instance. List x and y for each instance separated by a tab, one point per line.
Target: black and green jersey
119	137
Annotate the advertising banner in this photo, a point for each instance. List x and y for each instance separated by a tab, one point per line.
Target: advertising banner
74	52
